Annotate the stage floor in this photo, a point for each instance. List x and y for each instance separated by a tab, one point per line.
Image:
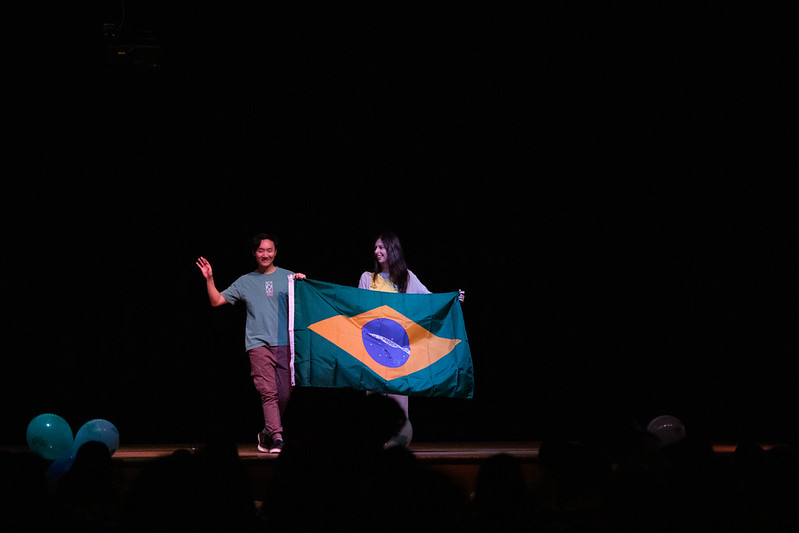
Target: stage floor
435	451
428	451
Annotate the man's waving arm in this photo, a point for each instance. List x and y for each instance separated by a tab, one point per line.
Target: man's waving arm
214	295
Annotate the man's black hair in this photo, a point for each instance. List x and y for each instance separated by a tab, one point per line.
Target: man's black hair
256	241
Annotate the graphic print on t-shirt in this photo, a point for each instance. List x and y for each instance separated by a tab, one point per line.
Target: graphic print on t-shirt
269	289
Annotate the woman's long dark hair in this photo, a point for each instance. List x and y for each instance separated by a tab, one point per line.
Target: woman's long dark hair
397	269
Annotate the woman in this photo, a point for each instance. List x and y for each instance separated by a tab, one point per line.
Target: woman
391	274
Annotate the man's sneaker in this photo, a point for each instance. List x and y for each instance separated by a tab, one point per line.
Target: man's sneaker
264	442
277	445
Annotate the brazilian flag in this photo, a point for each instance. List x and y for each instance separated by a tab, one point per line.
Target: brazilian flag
413	344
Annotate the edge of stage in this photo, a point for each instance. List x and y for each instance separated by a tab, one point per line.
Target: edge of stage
460	460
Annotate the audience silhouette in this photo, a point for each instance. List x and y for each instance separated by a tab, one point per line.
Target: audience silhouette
336	473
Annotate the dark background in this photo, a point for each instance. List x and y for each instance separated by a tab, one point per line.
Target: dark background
608	182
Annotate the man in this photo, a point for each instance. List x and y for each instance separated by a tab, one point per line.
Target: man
265	293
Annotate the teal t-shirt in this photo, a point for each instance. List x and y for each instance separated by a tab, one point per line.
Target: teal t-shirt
266	296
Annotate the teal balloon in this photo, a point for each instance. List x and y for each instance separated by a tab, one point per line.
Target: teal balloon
100	430
50	436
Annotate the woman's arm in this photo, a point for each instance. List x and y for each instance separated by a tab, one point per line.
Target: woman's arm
366	281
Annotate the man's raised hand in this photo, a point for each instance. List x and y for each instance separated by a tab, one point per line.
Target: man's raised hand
205	267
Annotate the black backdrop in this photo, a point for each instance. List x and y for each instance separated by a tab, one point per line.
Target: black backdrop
606	181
